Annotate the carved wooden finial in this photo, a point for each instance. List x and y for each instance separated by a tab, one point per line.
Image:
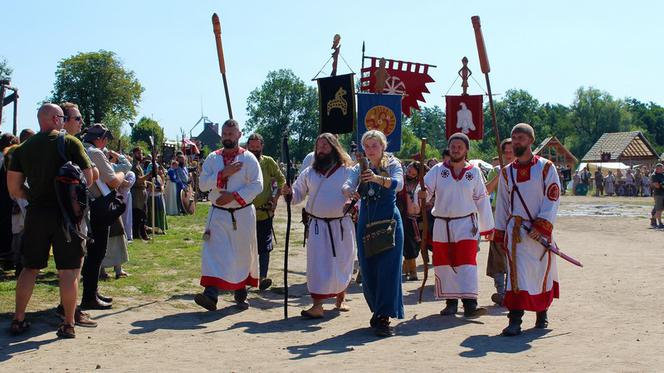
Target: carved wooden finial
465	73
381	77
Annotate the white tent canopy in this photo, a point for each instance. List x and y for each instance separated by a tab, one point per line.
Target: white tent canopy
605	166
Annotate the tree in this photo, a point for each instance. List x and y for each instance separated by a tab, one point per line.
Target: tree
99	84
429	122
284	101
5	70
145	128
411	144
121	140
594	113
648	118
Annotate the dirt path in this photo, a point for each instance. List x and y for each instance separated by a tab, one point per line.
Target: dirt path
609	318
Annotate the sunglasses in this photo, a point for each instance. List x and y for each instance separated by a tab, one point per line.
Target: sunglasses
78	118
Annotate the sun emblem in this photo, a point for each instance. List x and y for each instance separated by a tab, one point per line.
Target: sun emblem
380	118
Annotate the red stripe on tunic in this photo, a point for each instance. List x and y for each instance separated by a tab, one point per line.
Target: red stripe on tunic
323	296
526	302
455	254
225	285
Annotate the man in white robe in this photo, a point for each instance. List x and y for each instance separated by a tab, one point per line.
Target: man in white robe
528	200
331	234
230	254
462	212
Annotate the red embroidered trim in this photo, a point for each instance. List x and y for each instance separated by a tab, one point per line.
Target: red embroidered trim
463	170
524	301
553	192
239	199
225	285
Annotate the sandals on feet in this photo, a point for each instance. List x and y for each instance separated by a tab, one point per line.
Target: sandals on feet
19	327
66	331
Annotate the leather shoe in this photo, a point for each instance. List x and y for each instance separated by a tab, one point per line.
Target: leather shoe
104	299
96	304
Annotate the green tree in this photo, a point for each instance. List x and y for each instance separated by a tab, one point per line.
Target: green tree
5	70
284	102
594	113
648	118
122	140
145	128
411	144
429	122
99	84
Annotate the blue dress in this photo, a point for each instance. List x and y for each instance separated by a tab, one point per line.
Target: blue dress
381	274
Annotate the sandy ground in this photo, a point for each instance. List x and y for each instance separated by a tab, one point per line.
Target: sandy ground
609	318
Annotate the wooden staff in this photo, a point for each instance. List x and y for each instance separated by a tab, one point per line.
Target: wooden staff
484	64
425	220
216	26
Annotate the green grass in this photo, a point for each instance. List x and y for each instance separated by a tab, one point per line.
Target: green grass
167	267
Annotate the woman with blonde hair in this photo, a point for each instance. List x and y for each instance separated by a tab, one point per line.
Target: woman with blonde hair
379	231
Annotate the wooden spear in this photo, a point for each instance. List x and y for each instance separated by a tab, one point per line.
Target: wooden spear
220	55
484	64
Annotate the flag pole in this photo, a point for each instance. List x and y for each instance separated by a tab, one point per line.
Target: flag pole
484	64
216	26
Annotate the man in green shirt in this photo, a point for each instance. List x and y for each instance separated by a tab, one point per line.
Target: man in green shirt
266	203
37	161
496	266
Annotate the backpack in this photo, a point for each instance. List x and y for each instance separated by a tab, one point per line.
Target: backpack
72	192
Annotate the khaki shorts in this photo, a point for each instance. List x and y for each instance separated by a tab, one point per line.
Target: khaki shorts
43	230
659	203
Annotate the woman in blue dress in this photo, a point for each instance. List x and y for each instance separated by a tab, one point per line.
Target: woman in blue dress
381	273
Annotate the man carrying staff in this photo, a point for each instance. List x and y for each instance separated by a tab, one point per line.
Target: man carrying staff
462	213
230	256
266	203
331	240
528	200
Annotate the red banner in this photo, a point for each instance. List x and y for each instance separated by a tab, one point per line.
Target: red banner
403	78
464	114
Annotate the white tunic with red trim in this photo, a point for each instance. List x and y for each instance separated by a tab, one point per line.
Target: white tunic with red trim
330	249
532	273
230	254
462	213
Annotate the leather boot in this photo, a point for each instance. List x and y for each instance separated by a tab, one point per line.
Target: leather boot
514	327
470	309
542	321
451	307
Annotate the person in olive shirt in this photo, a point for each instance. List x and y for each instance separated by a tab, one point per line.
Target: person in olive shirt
139	196
657	180
37	161
266	203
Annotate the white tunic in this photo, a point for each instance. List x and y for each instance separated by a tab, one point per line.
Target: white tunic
230	254
462	212
329	257
532	273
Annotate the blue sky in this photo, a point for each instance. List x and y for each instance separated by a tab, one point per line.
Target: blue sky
549	48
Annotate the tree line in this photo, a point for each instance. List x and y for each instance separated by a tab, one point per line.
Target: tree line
108	92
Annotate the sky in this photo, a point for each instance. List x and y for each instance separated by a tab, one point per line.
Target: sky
549	48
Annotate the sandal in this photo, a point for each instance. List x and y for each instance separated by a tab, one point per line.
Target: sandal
66	331
309	315
19	327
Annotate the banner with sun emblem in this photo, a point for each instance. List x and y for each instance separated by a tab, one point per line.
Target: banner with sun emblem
380	112
336	98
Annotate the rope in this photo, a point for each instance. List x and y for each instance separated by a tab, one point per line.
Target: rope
478	84
321	69
349	68
451	85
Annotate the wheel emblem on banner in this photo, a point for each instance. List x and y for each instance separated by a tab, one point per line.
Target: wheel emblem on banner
380	118
394	86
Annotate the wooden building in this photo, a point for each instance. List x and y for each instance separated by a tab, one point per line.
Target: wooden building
630	148
552	149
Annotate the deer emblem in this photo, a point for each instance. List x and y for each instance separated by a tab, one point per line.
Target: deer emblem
338	102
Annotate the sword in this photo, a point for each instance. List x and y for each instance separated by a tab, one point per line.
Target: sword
551	246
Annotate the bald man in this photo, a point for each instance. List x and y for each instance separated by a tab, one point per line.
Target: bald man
37	161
